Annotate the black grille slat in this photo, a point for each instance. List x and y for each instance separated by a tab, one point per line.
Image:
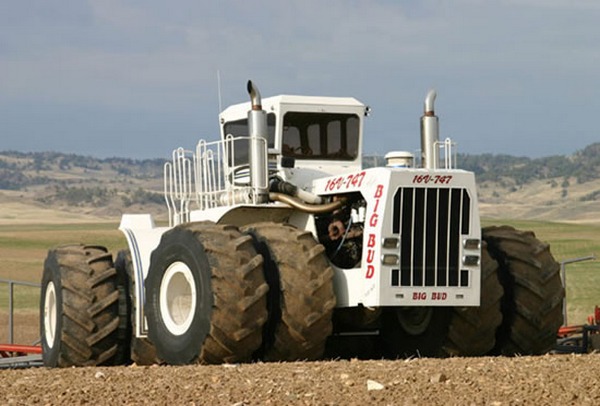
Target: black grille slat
406	216
430	237
442	244
418	234
430	223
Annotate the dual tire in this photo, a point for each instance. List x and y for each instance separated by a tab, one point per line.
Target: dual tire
217	295
519	314
301	299
533	292
207	299
79	308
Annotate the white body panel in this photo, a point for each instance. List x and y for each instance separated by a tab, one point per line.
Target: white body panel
370	285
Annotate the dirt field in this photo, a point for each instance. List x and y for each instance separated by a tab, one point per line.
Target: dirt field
547	380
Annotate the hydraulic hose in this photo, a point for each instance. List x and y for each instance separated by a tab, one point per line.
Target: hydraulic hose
278	185
305	207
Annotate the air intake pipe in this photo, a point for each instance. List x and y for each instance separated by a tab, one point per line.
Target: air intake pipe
257	130
430	130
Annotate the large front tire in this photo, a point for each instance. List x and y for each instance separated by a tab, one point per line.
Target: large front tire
533	291
473	330
302	299
206	295
79	308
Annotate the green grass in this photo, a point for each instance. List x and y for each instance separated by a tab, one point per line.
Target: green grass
24	297
23	249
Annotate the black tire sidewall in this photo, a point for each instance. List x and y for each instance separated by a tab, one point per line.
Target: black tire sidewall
179	245
51	354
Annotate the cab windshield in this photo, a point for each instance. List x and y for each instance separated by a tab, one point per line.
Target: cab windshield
323	136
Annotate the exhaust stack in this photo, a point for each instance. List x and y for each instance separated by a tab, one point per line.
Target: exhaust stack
430	130
257	127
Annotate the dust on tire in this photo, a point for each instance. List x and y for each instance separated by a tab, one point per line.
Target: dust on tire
87	307
532	303
302	298
227	326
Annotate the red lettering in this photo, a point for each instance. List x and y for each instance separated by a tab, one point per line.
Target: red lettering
419	296
378	191
439	296
370	256
370	271
371	241
373	220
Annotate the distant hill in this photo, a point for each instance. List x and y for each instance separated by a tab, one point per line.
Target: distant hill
583	166
83	184
555	187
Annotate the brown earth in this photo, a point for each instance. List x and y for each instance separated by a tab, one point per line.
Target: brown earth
546	380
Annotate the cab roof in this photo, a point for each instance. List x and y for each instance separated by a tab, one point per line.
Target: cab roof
310	103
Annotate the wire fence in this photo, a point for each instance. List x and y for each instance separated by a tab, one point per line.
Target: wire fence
22	290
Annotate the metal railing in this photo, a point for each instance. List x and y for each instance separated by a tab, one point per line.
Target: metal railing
563	275
216	174
11	293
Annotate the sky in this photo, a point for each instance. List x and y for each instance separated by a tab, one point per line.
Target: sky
138	78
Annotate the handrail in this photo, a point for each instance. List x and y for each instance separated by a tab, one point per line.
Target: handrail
447	153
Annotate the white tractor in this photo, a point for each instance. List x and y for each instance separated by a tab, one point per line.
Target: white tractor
281	246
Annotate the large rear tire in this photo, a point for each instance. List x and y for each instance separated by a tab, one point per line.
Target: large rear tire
79	308
302	300
142	351
206	295
533	291
472	331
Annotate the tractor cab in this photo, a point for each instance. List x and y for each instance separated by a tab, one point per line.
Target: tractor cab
307	137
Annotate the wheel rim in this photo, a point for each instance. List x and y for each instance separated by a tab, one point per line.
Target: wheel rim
414	320
177	298
50	314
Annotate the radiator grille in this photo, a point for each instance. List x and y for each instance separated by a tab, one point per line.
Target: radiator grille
430	223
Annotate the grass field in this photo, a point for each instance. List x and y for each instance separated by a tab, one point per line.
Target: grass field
23	249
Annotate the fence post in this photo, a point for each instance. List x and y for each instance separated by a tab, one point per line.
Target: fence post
10	312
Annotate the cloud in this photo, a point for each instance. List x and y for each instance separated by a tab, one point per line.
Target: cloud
509	67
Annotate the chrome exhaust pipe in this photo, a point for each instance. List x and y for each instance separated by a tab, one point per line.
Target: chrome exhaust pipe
258	130
255	98
430	130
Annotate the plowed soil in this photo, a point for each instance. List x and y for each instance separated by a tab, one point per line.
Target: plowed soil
546	380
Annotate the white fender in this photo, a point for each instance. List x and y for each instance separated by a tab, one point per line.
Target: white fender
142	237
